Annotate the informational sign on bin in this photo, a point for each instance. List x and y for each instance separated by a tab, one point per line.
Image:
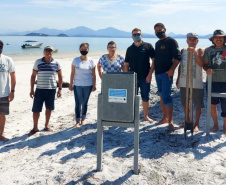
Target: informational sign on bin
117	95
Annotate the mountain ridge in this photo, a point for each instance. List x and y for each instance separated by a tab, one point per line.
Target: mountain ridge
82	31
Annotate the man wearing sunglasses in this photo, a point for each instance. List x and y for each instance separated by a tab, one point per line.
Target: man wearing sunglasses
6	93
138	60
46	70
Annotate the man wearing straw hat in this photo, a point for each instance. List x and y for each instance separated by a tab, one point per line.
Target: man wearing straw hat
7	72
214	59
198	92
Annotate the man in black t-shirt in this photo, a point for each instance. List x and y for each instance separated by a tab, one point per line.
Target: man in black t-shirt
167	57
138	60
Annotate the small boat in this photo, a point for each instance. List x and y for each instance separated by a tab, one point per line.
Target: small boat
55	51
30	41
26	45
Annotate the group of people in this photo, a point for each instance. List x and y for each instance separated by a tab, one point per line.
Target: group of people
165	58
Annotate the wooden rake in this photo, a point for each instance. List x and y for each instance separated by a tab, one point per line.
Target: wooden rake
189	96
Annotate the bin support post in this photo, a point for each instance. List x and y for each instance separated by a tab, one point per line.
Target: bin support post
99	134
136	136
209	92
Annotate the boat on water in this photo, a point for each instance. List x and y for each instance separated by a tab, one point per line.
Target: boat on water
26	45
55	51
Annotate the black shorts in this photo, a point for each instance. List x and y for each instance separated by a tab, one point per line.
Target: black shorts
41	96
219	87
4	105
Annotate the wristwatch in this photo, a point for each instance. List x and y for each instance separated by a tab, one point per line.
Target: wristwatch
60	88
13	90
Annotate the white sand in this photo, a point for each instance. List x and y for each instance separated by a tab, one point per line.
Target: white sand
68	155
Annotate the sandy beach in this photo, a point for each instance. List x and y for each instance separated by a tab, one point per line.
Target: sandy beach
68	155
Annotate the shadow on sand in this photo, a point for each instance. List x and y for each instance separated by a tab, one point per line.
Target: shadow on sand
155	142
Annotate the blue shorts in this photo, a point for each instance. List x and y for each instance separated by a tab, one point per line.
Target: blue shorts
164	86
41	96
144	89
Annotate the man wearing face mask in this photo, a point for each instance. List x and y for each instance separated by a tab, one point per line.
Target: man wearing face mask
167	57
138	60
6	95
46	69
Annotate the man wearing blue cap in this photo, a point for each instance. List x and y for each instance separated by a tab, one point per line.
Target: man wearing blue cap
198	92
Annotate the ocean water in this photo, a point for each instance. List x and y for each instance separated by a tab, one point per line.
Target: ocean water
71	44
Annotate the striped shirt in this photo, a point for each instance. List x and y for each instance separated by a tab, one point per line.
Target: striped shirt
47	71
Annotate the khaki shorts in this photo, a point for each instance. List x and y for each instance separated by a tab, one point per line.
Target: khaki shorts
4	105
198	95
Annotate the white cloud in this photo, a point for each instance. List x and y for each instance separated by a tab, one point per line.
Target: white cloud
166	7
90	5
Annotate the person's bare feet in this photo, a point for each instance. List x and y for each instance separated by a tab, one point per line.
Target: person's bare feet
196	128
48	129
170	127
224	128
148	119
214	129
163	120
83	122
181	125
4	139
77	125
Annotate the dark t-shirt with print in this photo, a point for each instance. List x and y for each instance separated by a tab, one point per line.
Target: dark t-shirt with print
216	58
165	51
139	59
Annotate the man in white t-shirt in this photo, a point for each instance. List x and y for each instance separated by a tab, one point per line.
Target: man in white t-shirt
198	92
6	95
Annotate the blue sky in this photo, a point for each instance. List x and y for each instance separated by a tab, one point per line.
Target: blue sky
179	16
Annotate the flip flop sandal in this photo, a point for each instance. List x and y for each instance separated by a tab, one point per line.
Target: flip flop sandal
32	132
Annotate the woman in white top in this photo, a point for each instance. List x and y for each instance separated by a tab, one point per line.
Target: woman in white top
111	62
82	81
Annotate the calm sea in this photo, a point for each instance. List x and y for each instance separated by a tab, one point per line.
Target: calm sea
71	44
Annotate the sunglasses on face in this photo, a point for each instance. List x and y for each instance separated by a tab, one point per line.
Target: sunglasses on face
48	50
111	47
136	34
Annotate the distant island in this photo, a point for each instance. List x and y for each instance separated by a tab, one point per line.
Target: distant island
36	34
83	31
62	35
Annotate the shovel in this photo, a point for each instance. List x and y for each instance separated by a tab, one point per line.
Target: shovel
189	96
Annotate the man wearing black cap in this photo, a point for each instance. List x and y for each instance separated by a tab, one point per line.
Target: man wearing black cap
215	59
46	69
167	57
6	93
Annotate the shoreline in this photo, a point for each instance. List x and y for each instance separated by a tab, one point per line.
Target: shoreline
69	55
